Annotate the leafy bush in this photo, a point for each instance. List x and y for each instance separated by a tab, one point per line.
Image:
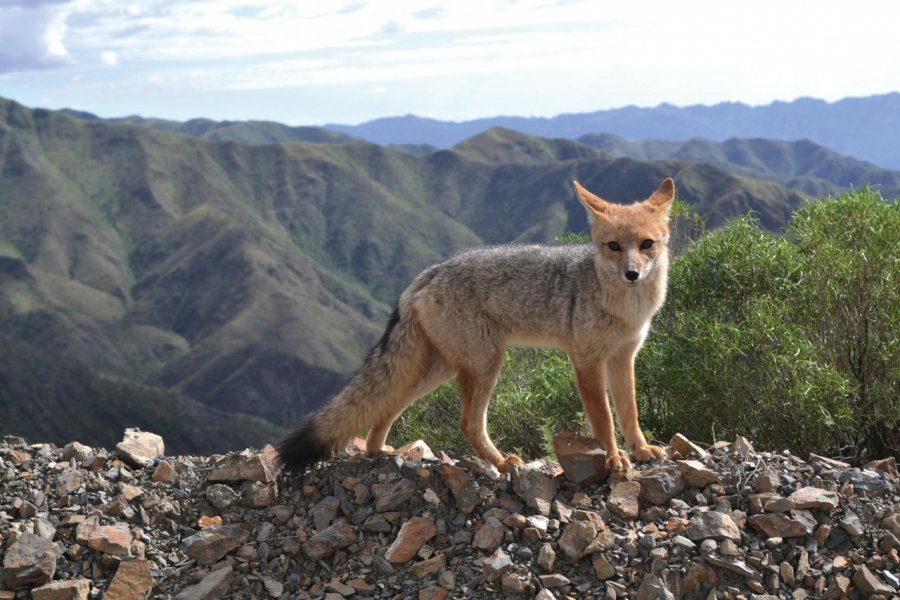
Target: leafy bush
790	341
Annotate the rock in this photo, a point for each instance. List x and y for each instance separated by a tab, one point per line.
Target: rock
259	494
429	567
652	588
29	561
412	536
323	544
433	593
742	447
696	474
623	499
535	487
868	584
138	448
417	450
69	481
517	581
602	568
489	535
164	472
111	539
888	465
496	565
546	557
212	587
582	459
712	525
892	523
464	491
221	496
814	498
575	539
797	523
660	484
72	589
247	465
838	588
766	481
132	581
391	496
211	544
554	580
685	447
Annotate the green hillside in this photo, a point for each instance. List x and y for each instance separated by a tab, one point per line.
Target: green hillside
252	277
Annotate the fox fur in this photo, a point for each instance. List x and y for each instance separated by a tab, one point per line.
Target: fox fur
593	301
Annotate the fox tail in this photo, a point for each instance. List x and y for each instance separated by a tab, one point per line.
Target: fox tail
374	396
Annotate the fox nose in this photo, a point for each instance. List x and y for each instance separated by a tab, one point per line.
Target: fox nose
631	275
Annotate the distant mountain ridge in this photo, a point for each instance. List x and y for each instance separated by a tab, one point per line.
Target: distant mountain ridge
251	277
866	128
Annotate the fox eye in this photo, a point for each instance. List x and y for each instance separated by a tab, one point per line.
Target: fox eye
614	246
645	245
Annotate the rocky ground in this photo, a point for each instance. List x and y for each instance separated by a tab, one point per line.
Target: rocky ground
719	522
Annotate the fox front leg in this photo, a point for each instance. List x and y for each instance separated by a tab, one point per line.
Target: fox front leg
592	390
620	371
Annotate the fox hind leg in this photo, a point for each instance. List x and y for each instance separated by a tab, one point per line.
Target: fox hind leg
437	373
475	388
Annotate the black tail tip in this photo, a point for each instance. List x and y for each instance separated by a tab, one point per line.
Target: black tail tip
300	448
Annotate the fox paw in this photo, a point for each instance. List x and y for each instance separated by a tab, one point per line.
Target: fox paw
649	452
618	463
509	462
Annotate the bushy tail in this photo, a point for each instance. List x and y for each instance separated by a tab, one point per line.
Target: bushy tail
374	393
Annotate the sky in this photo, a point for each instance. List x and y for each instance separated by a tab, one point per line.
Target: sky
312	62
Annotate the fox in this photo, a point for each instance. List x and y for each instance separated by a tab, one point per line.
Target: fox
592	301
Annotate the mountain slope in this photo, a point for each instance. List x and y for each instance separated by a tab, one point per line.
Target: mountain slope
801	165
865	128
252	278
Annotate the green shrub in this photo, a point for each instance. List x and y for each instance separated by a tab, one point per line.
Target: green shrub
790	341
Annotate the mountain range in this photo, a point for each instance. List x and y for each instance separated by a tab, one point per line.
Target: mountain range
219	280
866	128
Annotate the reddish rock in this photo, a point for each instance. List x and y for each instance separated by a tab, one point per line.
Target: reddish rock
71	589
797	523
868	584
812	497
164	472
29	561
489	534
433	593
111	539
576	538
214	585
461	486
659	484
412	536
712	525
696	474
391	496
416	450
623	499
247	466
211	544
685	447
582	459
138	447
323	544
534	486
132	581
496	565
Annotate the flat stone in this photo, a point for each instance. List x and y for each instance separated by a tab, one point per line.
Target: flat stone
138	447
797	523
489	535
428	567
814	498
71	589
211	544
685	447
247	466
660	484
323	544
712	525
69	481
464	491
410	539
391	496
554	580
576	537
623	499
868	583
582	459
778	504
133	580
653	588
221	496
696	474
433	593
766	481
535	487
29	561
213	586
417	450
110	539
602	567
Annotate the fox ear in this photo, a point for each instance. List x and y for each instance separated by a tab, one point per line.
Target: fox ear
661	200
596	205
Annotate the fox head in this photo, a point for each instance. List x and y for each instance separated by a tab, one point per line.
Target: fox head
631	240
